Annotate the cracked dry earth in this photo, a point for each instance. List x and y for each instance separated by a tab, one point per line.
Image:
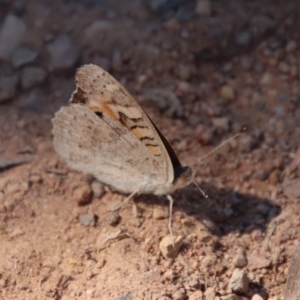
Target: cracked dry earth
59	238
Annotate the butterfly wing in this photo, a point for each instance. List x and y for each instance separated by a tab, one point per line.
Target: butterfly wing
104	132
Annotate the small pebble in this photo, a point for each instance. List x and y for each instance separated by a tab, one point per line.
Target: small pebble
12	31
239	281
247	143
3	283
32	76
98	189
87	219
83	194
172	24
260	174
112	218
203	7
263	208
197	295
291	46
232	297
8	86
267	79
184	72
194	283
284	67
258	261
23	56
227	93
203	134
257	297
160	212
35	178
179	295
239	261
274	177
243	38
247	62
16	232
291	188
210	293
63	53
184	87
277	42
167	249
221	123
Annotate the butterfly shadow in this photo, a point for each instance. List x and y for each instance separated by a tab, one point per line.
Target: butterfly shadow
224	211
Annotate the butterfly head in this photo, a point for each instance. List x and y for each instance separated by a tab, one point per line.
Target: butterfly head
183	176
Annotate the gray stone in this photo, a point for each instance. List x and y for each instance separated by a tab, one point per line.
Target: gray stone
11	33
291	188
243	38
98	189
63	53
263	208
32	76
87	219
277	42
96	29
203	7
23	56
8	86
239	281
258	261
166	100
247	62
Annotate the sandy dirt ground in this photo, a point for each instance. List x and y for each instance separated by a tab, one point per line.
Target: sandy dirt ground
202	70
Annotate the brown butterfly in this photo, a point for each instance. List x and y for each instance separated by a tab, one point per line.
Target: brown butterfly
105	133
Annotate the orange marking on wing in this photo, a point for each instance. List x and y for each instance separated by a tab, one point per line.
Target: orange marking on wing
140	132
103	107
154	149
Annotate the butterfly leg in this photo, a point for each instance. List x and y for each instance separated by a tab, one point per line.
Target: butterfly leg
170	217
126	200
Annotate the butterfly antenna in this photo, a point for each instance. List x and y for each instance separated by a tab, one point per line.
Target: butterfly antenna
204	195
221	145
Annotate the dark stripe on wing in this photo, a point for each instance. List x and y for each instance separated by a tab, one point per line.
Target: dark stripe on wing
149	138
126	121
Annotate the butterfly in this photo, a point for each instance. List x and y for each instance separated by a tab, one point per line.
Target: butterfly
104	132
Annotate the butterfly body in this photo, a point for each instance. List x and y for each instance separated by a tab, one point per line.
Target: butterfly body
105	133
